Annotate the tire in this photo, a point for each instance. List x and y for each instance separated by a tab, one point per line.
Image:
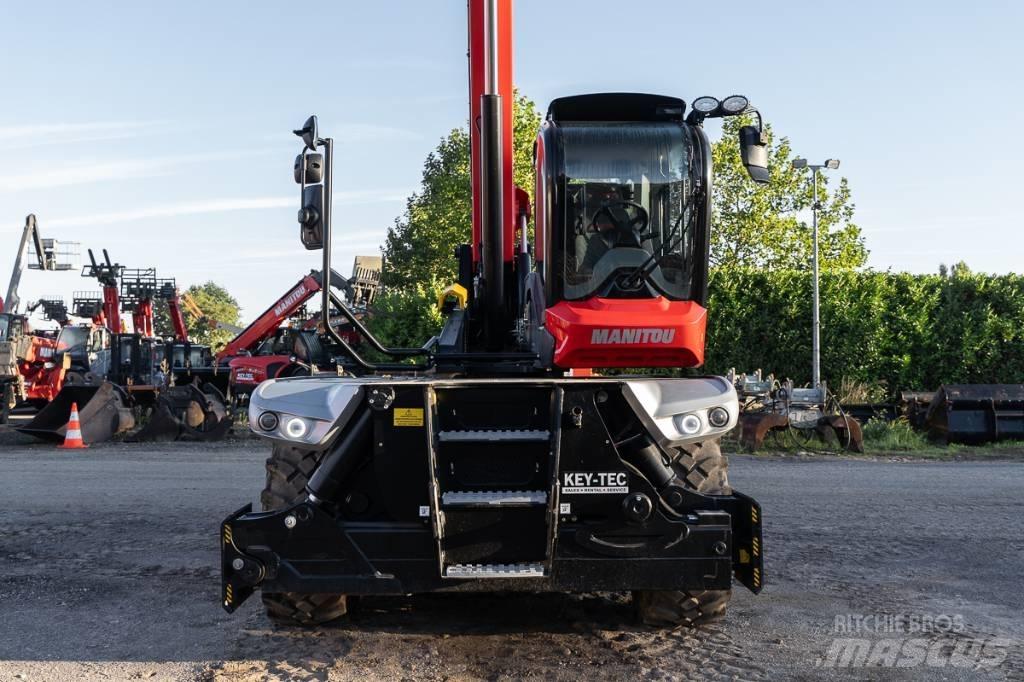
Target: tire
705	469
288	470
6	402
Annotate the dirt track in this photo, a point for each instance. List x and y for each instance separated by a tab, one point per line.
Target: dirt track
108	570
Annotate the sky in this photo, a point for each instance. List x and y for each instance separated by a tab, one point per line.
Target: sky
162	132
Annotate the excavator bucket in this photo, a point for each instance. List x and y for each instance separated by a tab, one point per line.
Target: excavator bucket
976	413
103	411
187	413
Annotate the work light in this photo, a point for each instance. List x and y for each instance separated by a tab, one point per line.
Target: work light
734	104
705	105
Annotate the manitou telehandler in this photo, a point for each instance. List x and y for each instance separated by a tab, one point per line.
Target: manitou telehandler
492	458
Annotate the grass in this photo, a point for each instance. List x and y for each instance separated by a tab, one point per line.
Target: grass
894	436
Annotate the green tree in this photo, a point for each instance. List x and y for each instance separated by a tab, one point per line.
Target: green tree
420	245
760	225
217	304
405	317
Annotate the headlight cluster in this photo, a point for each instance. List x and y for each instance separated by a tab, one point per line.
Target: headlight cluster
289	426
691	424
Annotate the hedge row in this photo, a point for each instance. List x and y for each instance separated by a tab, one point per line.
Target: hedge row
910	331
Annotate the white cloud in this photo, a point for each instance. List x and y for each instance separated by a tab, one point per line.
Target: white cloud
219	206
345	133
86	173
40	134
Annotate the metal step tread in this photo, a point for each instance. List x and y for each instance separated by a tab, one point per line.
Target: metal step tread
493	435
526	570
497	498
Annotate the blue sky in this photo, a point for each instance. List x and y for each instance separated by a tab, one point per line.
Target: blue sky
162	132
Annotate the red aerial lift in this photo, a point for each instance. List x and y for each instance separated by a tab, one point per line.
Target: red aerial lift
484	460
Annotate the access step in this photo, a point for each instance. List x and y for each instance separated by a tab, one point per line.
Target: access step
494	436
530	570
501	498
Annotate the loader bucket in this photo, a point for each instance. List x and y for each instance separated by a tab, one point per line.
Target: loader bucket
977	413
102	410
187	413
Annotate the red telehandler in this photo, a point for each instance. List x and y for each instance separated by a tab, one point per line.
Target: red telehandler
490	463
266	350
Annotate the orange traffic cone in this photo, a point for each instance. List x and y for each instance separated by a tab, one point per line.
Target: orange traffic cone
73	436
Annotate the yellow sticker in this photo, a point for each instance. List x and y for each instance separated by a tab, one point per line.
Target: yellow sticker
408	416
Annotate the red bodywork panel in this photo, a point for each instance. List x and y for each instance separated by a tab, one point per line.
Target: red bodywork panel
622	332
41	382
247	372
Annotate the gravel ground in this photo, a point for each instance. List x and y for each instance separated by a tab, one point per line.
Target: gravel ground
108	570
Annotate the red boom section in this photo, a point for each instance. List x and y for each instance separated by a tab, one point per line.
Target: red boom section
142	318
649	332
177	318
112	308
265	324
477	65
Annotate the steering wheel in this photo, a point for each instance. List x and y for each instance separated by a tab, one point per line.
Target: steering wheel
620	226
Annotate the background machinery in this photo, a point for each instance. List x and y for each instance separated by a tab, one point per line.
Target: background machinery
484	460
121	378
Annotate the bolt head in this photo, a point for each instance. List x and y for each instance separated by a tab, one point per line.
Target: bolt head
720	547
290	521
238	564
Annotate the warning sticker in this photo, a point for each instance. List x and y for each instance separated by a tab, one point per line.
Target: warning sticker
594	482
408	416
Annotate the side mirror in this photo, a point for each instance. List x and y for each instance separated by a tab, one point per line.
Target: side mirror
754	151
309	133
311	217
313	165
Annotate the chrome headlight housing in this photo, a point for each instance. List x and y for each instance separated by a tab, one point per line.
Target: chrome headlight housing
682	411
309	411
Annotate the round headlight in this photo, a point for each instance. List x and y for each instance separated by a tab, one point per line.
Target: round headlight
705	105
735	104
295	427
267	421
718	417
688	424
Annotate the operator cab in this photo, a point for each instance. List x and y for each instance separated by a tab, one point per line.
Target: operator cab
617	179
87	347
10	327
623	229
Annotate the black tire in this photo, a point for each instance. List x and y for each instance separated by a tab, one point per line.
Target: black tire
705	469
6	400
288	470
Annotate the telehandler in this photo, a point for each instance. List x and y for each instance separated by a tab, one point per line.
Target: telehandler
493	458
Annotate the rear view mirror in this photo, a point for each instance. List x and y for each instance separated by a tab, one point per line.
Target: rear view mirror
311	217
754	151
313	164
309	133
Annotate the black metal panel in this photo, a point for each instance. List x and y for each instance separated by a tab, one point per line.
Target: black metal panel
976	413
495	536
617	106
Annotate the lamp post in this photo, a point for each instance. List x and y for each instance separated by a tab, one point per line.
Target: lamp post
831	164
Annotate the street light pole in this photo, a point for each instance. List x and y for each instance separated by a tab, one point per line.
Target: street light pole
831	164
816	309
